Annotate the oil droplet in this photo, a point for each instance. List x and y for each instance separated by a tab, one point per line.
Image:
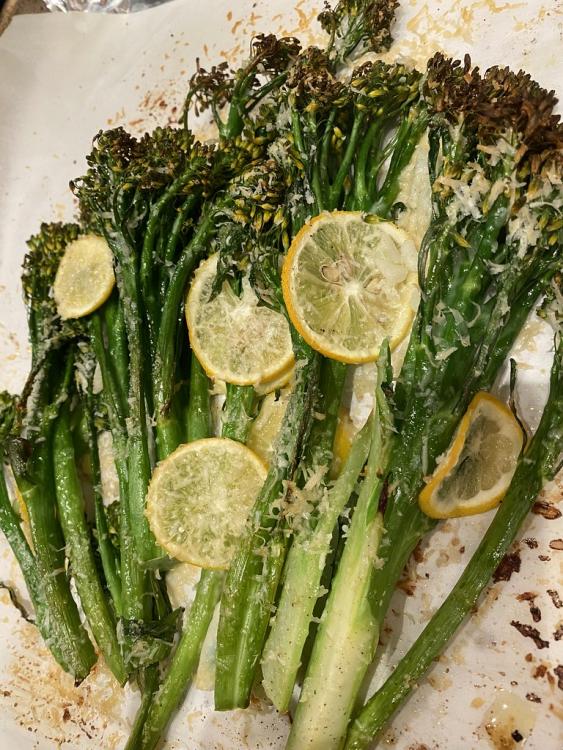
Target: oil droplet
509	721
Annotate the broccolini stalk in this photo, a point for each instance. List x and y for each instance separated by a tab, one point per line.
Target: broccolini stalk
29	448
477	269
281	657
537	465
396	89
58	624
184	660
348	633
254	573
245	88
70	503
356	26
479	282
253	576
112	205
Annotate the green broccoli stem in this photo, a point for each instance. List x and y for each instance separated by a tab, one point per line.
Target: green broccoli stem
410	131
536	466
182	665
335	190
137	543
255	570
148	286
199	406
70	504
165	361
348	633
60	627
115	381
361	194
108	554
67	638
238	412
171	246
185	658
282	653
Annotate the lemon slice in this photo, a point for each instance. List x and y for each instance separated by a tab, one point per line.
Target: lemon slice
199	497
85	277
349	283
477	469
235	338
283	380
267	424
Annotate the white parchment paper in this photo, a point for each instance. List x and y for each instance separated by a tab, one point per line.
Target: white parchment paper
62	78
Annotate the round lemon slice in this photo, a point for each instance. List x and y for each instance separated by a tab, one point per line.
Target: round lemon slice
265	427
199	497
84	278
283	380
235	338
349	283
477	469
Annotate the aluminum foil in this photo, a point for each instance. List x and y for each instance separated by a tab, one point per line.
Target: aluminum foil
102	6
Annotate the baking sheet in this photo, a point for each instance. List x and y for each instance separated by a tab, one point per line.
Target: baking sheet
62	78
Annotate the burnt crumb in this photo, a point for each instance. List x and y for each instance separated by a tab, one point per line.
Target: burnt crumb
418	553
533	697
408	586
555	598
547	510
66	714
544	558
558	633
556	544
461	550
6	693
530	632
559	673
531	542
540	671
529	657
509	564
516	736
535	611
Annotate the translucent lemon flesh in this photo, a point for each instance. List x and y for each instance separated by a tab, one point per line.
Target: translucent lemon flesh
348	283
235	339
477	469
85	277
199	497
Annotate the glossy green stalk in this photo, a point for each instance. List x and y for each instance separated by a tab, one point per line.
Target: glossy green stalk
70	503
58	623
185	658
348	632
535	467
281	657
70	644
137	543
253	577
199	407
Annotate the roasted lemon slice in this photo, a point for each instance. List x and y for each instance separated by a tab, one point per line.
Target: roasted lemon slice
349	281
199	497
477	469
84	278
234	337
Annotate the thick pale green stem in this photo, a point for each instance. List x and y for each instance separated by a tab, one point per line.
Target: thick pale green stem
281	658
348	633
